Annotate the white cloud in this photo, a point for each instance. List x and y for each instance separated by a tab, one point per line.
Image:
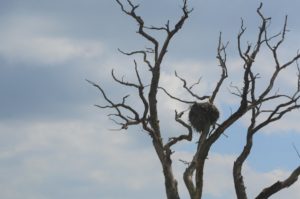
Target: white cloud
48	50
39	159
47	152
85	153
30	40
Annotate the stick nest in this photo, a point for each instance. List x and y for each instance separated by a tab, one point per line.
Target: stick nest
203	115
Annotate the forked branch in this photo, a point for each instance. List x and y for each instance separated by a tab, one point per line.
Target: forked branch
189	89
222	58
187	137
255	104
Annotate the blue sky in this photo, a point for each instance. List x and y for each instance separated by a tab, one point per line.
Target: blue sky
55	144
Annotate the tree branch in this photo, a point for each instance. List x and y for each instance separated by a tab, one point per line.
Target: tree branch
188	89
117	106
187	137
122	82
279	185
222	58
141	23
175	98
142	52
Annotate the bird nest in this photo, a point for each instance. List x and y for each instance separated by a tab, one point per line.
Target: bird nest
203	115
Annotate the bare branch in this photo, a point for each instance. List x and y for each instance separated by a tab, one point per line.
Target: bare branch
237	91
141	23
262	30
249	78
295	148
185	162
239	184
166	28
176	98
277	114
144	53
144	100
121	81
298	75
279	185
187	137
184	85
242	31
117	107
172	32
195	84
101	90
282	34
221	56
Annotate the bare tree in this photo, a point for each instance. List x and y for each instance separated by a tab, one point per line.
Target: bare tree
251	101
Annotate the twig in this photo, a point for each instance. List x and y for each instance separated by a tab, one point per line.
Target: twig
296	150
184	85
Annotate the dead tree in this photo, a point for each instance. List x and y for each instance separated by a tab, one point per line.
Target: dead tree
251	101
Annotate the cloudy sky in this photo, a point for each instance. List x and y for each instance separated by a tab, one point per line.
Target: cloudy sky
54	144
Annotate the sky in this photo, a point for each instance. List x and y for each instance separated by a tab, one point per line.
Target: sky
55	144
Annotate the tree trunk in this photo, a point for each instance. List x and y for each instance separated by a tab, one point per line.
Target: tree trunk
170	183
164	156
